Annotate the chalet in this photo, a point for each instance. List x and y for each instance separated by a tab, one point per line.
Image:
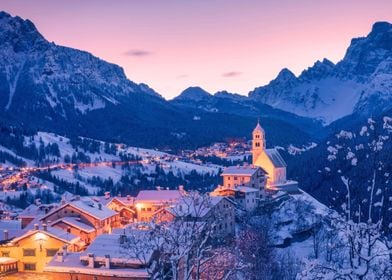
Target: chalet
147	202
245	197
124	206
83	217
36	247
218	211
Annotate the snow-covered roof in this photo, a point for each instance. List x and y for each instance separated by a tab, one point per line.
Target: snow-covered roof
72	264
109	244
57	233
158	195
14	228
246	189
275	158
33	211
88	206
240	170
75	222
194	207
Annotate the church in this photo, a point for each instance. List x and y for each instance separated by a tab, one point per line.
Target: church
271	161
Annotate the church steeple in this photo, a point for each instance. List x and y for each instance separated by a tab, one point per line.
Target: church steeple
258	142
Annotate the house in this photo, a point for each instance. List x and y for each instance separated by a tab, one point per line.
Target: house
124	206
108	257
33	212
83	217
36	247
271	161
147	202
249	176
217	211
245	197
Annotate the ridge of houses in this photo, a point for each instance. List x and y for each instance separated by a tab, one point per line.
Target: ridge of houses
81	234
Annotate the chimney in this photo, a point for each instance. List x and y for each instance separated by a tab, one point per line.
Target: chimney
6	236
107	195
99	206
128	197
45	227
65	250
158	188
181	188
123	238
107	261
36	227
60	256
91	260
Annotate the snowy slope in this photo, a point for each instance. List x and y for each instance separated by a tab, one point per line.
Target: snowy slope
361	82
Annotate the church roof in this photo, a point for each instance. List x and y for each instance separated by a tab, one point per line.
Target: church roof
258	128
275	158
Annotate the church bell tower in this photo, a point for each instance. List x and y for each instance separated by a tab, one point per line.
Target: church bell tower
258	142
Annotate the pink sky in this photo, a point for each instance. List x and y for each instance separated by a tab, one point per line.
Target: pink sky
216	44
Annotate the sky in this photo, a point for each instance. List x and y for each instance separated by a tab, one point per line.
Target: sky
228	45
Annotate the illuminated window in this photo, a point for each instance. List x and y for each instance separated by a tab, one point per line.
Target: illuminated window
28	252
51	252
29	266
149	209
5	253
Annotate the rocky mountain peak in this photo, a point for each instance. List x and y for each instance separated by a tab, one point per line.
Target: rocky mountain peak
21	34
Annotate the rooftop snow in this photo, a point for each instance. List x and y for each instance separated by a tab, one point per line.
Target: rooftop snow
158	195
276	158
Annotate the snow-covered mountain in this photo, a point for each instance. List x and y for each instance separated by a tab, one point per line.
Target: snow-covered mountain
360	82
47	87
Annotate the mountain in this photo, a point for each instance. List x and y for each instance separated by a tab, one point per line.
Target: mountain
360	83
239	105
47	87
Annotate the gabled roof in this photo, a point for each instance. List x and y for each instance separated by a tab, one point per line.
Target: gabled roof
74	222
275	158
109	244
14	228
87	206
241	170
53	232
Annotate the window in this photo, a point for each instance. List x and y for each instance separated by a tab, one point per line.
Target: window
5	253
228	178
29	266
149	209
51	252
28	252
235	178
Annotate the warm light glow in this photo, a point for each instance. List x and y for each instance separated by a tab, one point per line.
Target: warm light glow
139	206
40	237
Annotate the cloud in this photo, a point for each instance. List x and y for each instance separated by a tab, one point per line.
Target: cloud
182	76
138	53
231	74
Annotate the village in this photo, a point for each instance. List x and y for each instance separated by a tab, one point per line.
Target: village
105	237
